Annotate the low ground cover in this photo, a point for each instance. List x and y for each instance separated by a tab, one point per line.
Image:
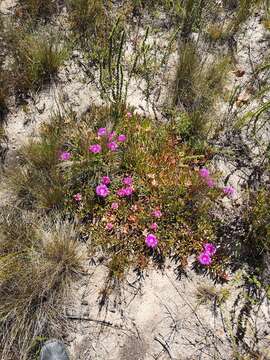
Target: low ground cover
134	187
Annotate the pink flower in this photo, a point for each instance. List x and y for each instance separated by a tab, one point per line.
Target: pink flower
106	180
102	190
95	149
229	191
64	155
127	181
122	138
157	213
204	259
210	183
109	226
77	197
129	114
102	132
121	192
111	135
210	248
154	226
204	172
127	191
151	241
115	206
113	146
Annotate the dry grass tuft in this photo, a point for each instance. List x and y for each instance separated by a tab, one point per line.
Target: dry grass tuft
38	180
35	58
38	261
198	86
257	220
91	24
34	10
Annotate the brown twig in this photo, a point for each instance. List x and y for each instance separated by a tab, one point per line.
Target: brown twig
101	322
165	347
84	318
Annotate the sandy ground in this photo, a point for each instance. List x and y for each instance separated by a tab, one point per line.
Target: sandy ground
160	316
157	316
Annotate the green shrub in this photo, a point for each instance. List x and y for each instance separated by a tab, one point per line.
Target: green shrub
162	169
